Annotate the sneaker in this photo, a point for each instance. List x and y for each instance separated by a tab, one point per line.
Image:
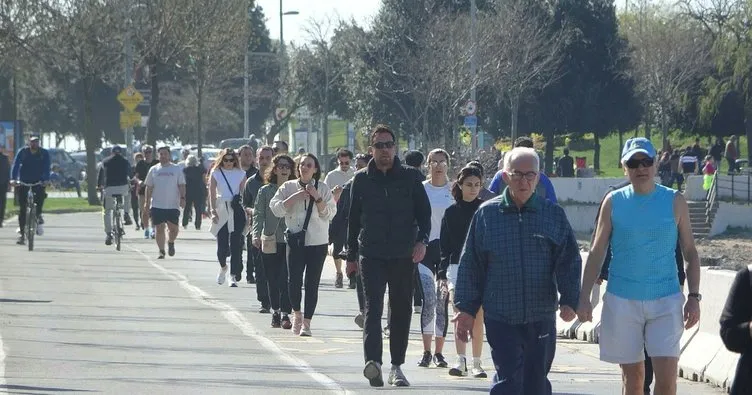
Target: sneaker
297	324
161	254
19	231
40	229
385	332
338	281
171	249
353	284
127	219
360	320
233	281
108	240
264	310
146	233
286	323
425	361
397	378
276	320
21	240
222	275
439	360
152	233
40	221
372	372
250	280
305	331
477	371
198	227
417	309
460	368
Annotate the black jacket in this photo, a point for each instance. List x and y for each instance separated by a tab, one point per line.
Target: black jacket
114	171
454	228
735	331
338	227
195	186
4	170
389	213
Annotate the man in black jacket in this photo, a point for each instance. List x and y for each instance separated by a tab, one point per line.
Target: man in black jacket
4	183
113	179
389	224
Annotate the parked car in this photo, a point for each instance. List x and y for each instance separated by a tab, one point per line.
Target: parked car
209	156
70	167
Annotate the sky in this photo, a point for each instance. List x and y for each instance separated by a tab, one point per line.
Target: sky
294	25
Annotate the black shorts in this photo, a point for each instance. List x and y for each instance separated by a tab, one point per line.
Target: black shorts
339	246
162	215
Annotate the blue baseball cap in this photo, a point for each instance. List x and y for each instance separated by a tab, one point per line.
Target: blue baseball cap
637	145
117	149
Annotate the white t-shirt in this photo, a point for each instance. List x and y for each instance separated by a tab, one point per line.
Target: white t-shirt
164	181
338	177
234	177
440	199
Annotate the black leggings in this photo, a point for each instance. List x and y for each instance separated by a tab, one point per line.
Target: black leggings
197	204
234	242
39	196
311	260
275	267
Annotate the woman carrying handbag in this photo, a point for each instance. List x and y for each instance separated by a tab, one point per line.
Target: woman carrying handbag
269	237
227	214
308	207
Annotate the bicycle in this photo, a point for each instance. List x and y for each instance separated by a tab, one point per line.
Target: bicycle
31	213
117	227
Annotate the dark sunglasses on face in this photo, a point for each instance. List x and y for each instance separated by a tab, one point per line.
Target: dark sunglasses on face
384	145
635	163
283	166
228	159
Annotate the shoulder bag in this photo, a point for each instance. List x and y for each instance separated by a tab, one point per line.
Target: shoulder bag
236	204
297	239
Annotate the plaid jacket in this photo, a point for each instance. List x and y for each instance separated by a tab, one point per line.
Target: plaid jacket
515	260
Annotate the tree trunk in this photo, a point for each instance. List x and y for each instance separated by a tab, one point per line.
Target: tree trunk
152	124
199	126
748	129
325	125
618	152
514	109
664	131
597	153
549	133
92	140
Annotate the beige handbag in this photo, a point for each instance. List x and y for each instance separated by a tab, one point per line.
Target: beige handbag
269	242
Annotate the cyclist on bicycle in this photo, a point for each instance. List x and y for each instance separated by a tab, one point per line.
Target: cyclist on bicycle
113	180
31	165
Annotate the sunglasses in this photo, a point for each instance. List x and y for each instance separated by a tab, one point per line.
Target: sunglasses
438	162
228	159
283	166
518	175
635	163
384	145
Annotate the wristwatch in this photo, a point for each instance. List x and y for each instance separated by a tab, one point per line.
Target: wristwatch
696	296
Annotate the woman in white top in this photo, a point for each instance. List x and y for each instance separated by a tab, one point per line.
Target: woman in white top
292	201
225	183
433	316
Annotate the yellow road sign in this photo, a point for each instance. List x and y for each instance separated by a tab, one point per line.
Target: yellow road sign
130	98
129	119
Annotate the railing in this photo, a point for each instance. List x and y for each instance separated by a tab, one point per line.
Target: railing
735	187
711	197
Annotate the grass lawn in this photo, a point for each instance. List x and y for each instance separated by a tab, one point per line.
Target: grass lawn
611	151
58	206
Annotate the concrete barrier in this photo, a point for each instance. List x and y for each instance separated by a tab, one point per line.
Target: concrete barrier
705	358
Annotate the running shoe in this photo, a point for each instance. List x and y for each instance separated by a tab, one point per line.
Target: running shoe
276	320
372	372
426	360
439	360
460	368
171	249
222	276
477	370
397	378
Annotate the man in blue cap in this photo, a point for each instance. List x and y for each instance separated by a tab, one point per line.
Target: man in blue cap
113	179
31	165
642	308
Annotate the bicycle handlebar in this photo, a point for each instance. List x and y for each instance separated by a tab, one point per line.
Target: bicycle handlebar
23	184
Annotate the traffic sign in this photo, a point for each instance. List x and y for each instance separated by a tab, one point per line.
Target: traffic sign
280	113
471	121
470	107
130	98
129	119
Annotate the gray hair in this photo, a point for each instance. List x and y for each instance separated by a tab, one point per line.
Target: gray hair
191	160
520	152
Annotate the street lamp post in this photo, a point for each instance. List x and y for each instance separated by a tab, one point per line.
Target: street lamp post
473	67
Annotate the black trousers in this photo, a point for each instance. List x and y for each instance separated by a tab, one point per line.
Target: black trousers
359	291
309	259
196	204
255	262
3	200
400	275
39	196
275	268
135	209
231	244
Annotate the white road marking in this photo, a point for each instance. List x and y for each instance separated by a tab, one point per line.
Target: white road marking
236	318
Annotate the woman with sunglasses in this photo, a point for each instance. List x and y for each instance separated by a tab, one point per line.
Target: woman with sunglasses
642	308
434	291
272	229
226	182
293	201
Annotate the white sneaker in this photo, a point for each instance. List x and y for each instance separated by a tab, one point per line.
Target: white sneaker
477	371
40	230
233	281
222	275
417	309
460	368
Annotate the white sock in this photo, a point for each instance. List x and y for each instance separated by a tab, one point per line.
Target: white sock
476	361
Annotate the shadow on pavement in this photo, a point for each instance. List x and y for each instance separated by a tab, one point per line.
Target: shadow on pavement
23	301
47	389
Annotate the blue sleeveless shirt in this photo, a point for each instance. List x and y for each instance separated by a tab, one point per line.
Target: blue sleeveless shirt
643	244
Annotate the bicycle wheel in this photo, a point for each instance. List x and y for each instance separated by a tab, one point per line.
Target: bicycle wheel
118	232
31	225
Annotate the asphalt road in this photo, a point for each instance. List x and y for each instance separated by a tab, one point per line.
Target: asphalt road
78	316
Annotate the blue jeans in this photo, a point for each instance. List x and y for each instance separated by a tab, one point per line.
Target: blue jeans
523	355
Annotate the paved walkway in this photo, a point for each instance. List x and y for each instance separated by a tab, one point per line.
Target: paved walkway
78	316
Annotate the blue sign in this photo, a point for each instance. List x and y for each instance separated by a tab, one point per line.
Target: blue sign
471	121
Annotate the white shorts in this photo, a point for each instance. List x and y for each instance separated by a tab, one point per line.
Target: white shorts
452	275
629	326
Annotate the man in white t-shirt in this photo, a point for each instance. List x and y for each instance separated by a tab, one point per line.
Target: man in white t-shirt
335	180
165	196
